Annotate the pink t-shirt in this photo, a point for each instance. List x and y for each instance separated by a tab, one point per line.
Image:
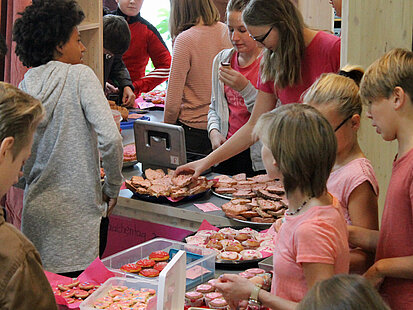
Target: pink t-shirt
319	235
238	113
396	233
344	180
322	55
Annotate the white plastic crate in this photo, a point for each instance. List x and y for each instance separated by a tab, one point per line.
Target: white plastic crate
170	287
200	262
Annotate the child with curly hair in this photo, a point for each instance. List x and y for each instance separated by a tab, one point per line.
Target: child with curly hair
64	200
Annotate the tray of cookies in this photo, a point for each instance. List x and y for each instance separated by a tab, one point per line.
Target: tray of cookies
235	247
158	186
256	201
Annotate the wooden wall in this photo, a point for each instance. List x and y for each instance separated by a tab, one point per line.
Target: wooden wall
317	14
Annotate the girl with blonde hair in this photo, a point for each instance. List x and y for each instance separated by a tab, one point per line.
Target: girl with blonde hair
343	292
294	57
197	37
352	180
299	147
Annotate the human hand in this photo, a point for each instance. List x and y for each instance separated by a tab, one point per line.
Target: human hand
217	139
232	78
374	276
110	89
111	203
234	288
129	97
195	167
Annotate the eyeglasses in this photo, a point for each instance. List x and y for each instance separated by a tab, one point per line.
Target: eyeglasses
262	39
342	123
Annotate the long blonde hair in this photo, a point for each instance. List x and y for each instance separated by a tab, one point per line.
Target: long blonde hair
283	66
340	89
303	145
188	13
20	114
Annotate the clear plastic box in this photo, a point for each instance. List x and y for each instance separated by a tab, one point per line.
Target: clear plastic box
200	262
170	288
116	281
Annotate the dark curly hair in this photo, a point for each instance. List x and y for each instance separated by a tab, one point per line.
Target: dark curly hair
3	46
43	26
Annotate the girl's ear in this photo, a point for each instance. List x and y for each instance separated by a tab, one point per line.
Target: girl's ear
355	121
5	147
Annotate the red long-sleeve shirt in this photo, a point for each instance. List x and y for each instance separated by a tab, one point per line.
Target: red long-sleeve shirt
146	42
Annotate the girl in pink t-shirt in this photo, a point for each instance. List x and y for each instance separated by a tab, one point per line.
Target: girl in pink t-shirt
352	180
234	78
299	147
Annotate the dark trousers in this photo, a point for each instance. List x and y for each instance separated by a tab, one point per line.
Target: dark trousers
196	140
240	163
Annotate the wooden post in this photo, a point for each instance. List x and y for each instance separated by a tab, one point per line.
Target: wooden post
369	29
318	14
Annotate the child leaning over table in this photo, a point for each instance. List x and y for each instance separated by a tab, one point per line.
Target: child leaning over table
387	87
23	283
299	147
64	200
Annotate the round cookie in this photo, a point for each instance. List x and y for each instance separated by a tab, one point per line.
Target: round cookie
159	256
149	272
145	263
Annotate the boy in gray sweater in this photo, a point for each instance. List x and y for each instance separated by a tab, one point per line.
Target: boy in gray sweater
64	199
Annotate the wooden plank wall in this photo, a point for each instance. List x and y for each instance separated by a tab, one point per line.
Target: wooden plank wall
369	29
318	14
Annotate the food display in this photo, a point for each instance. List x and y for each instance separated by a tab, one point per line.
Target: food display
155	96
206	294
129	153
258	199
157	184
148	267
124	112
230	244
75	291
122	297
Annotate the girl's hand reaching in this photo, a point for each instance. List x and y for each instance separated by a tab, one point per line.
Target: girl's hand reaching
217	139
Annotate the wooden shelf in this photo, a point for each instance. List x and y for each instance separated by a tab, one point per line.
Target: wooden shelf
88	26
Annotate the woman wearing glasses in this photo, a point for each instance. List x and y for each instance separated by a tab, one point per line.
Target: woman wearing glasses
294	57
352	180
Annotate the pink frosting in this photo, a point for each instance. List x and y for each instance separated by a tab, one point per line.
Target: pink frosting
194	295
213	295
218	302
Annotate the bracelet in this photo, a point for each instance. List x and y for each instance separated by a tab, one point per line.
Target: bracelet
254	295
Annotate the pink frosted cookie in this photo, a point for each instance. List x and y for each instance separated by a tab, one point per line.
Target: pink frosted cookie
194	299
255	271
205	288
218	303
250	254
211	296
229	256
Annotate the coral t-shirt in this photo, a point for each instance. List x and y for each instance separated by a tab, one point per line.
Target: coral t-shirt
322	55
319	235
396	233
238	113
343	181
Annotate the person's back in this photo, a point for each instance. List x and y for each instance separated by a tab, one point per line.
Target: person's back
64	198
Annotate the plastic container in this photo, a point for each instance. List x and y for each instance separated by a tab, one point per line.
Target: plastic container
170	289
200	262
117	117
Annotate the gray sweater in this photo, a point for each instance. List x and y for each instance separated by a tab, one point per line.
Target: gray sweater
218	114
62	205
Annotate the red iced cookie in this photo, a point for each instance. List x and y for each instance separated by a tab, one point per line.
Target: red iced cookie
70	300
145	263
160	266
159	256
131	268
68	293
81	293
75	282
86	286
150	272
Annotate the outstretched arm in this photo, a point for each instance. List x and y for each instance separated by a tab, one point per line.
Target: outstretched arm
239	142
